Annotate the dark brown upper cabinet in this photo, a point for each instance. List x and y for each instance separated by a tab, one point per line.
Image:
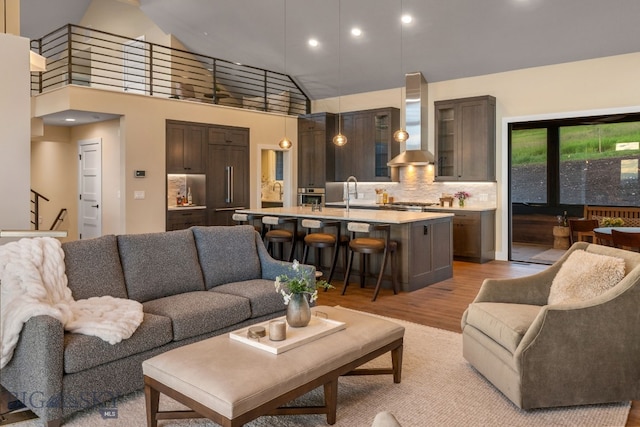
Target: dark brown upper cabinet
186	148
316	162
370	145
465	139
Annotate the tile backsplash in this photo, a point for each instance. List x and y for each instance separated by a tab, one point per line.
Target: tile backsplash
415	186
178	184
273	190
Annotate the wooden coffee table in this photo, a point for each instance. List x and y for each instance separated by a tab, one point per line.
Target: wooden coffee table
232	383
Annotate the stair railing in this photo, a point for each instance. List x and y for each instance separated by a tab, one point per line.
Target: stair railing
61	216
36	208
36	212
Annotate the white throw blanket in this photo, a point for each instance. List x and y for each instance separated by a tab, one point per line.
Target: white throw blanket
33	283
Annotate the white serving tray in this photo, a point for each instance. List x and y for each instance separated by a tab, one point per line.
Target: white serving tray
318	327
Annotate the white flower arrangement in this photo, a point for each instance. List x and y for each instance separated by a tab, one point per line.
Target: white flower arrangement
300	282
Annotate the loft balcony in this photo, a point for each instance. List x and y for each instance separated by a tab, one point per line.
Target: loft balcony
77	55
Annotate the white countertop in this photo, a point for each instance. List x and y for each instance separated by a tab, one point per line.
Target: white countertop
185	207
33	233
435	208
362	215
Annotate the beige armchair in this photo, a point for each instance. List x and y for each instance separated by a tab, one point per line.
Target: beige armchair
546	355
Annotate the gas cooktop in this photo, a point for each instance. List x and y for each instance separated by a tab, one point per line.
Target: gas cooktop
415	203
410	206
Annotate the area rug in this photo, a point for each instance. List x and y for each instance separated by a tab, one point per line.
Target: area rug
551	255
438	388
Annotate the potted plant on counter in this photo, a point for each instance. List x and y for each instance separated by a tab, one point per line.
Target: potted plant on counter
461	196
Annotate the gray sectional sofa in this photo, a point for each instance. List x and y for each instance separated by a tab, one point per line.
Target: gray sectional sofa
193	284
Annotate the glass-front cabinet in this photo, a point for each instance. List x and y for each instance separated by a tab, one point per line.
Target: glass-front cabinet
382	122
465	139
445	143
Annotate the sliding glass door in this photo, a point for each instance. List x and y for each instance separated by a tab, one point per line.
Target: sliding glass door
559	166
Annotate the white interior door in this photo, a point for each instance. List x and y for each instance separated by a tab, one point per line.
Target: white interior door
134	66
90	188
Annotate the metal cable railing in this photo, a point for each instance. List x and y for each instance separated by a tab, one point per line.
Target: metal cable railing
88	57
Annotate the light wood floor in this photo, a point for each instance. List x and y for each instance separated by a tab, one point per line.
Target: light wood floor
440	305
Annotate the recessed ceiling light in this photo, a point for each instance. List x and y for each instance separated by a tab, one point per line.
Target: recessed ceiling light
69	119
313	42
356	31
406	19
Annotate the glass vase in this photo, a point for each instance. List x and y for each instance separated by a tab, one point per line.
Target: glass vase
461	203
298	311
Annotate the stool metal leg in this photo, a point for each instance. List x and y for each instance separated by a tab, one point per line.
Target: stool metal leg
394	273
382	268
348	273
334	261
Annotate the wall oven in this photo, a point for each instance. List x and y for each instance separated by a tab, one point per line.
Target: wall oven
311	196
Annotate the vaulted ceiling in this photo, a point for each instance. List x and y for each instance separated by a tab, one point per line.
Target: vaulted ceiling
447	39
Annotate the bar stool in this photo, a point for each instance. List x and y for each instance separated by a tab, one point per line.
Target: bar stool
249	219
321	239
370	245
275	233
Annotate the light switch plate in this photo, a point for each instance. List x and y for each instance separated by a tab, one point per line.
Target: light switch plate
138	194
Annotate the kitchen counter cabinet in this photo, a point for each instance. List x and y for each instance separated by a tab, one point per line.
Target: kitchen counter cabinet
425	242
181	218
474	235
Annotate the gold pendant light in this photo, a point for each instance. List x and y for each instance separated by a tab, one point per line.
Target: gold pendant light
339	139
285	143
401	135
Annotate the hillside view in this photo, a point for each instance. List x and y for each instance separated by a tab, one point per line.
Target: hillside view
586	142
599	165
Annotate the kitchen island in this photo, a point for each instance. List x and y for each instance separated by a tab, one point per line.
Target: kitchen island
474	227
425	249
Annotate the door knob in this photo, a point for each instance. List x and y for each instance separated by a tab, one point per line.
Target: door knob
95	206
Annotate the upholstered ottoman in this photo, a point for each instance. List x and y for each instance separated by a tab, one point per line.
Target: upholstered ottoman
232	383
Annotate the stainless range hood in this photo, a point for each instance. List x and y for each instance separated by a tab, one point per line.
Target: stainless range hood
415	109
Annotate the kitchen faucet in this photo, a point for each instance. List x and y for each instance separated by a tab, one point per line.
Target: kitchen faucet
281	192
355	182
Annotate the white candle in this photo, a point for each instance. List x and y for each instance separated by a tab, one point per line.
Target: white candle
277	330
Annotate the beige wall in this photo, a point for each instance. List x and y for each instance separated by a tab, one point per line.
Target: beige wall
54	175
10	17
594	86
124	20
141	138
15	128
